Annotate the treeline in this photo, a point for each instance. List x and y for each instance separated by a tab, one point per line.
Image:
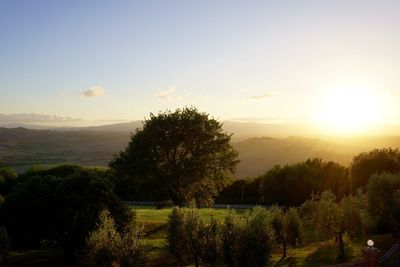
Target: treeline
291	185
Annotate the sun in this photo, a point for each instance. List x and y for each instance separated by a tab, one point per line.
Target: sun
350	110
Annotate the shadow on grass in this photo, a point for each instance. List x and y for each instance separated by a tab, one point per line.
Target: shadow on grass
288	261
328	254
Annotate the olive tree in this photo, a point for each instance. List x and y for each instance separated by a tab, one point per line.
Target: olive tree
287	227
247	240
190	239
335	218
106	245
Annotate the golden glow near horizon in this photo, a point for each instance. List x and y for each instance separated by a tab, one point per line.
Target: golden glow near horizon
350	110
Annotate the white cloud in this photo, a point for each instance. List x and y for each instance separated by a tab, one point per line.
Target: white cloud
168	94
93	91
259	97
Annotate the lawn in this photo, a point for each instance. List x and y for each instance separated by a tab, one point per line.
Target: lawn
151	214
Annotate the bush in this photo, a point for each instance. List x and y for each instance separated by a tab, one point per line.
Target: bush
106	245
192	240
132	248
244	241
176	234
103	244
247	241
212	246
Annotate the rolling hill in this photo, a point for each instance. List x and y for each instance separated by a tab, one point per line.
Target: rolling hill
21	148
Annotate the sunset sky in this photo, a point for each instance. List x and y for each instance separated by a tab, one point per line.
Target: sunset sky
330	62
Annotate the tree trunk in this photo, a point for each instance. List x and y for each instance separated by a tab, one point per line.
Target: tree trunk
341	245
284	249
196	261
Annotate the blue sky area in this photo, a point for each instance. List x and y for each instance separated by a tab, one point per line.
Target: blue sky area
245	60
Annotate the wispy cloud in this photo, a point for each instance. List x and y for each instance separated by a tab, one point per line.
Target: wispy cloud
263	96
168	94
93	91
34	118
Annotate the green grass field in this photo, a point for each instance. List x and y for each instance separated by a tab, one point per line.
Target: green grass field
311	253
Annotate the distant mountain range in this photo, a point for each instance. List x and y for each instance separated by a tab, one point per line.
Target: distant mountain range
95	146
240	130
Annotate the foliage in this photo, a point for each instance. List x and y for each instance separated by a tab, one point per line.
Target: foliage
8	178
242	191
212	247
383	196
377	161
176	234
132	248
190	239
287	227
60	209
337	218
103	244
247	241
181	155
106	245
300	180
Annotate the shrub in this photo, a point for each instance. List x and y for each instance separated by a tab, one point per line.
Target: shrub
106	245
176	235
103	244
248	240
190	239
132	249
212	246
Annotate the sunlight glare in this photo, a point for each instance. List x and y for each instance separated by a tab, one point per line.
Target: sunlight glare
350	110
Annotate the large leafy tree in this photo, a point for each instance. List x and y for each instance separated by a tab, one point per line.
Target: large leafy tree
180	156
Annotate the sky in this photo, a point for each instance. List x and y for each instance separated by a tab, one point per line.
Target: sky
265	61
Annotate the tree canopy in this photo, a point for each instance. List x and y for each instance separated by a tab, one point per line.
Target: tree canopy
302	179
180	156
383	196
376	161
